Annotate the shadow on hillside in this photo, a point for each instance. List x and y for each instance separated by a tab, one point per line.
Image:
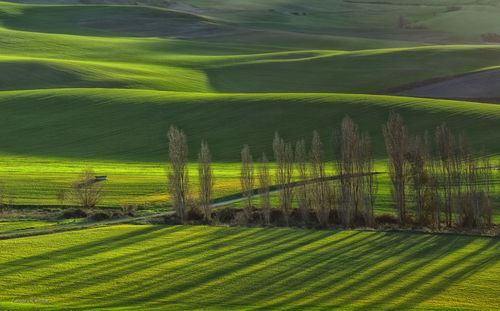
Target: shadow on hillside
265	268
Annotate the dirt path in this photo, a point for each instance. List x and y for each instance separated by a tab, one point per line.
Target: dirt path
226	200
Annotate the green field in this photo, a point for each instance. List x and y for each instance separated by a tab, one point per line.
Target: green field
121	133
97	83
131	267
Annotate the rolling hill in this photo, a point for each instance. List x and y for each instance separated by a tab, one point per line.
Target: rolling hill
97	83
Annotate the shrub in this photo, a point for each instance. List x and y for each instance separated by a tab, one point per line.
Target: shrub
490	37
386	219
85	191
101	215
195	213
225	215
74	213
129	209
241	219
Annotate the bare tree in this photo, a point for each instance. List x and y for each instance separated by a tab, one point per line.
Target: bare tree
349	150
355	166
476	200
488	188
447	148
264	188
206	180
433	195
85	191
301	163
283	155
320	188
396	141
177	171
417	158
247	179
369	181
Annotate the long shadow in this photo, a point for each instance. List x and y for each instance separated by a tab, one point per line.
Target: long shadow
234	275
303	260
197	288
92	270
132	265
380	276
471	264
84	249
260	267
83	277
220	264
268	258
372	285
318	271
324	280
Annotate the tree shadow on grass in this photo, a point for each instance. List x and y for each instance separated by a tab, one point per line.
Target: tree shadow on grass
273	263
306	259
324	274
88	275
94	269
198	272
83	249
388	278
258	269
431	284
221	274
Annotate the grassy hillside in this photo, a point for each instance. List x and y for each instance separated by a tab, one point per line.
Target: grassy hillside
367	71
97	46
132	124
99	85
185	268
50	135
446	21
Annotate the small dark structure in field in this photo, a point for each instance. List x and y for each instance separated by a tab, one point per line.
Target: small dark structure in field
100	178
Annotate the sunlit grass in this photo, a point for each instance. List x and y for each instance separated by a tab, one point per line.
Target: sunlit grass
49	136
249	269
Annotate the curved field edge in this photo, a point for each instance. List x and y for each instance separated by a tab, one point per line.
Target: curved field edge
183	267
168	65
130	125
49	136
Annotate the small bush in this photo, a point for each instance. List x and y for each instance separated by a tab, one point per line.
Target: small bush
118	214
386	219
277	217
335	217
101	215
84	191
295	217
225	215
240	219
490	37
171	220
74	213
195	213
129	209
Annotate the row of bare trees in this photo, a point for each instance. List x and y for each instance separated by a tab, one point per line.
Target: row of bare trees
449	184
301	176
312	189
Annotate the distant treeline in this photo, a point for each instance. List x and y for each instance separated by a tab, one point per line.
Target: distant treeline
447	181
